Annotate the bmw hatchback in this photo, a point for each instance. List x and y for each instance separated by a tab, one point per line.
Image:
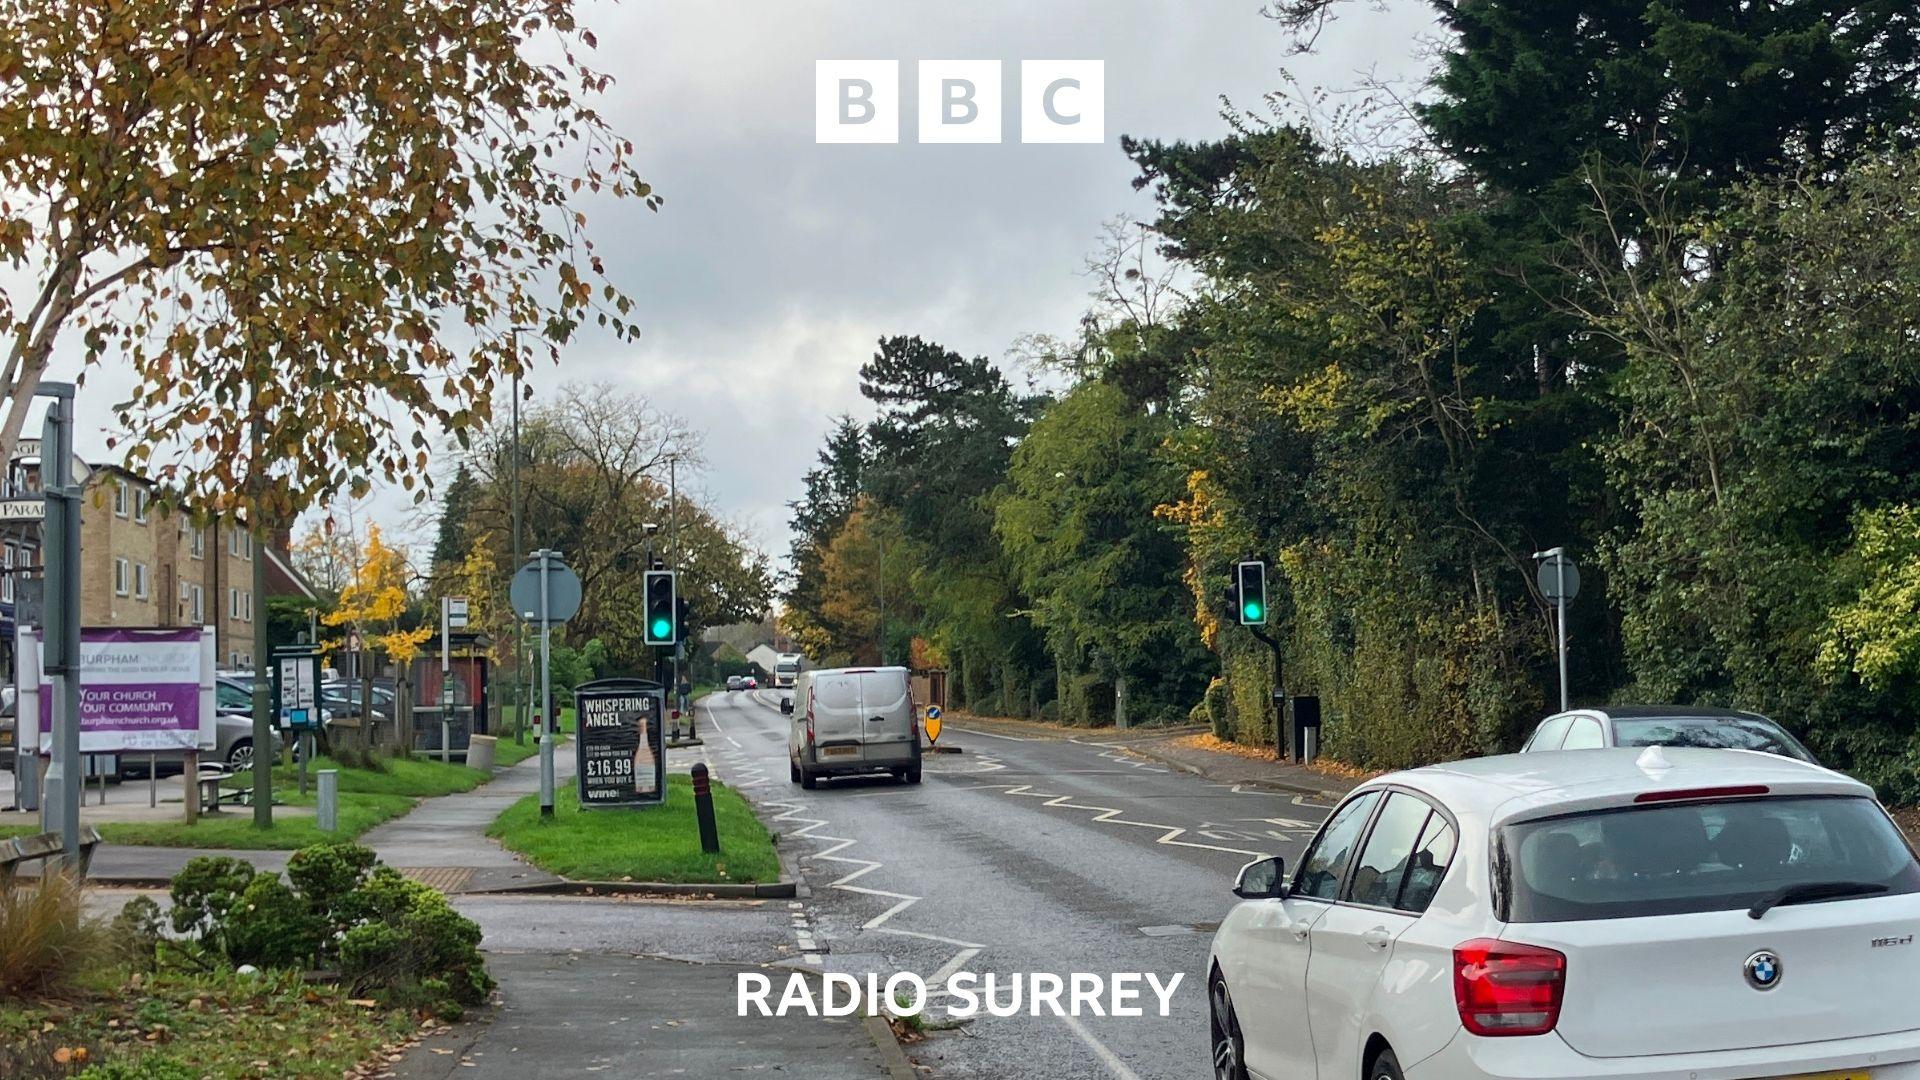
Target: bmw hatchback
1669	913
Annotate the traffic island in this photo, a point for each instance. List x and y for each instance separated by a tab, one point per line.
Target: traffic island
646	849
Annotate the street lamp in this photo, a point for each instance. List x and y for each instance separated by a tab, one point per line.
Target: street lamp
1559	581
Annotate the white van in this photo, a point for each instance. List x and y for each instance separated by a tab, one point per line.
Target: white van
852	720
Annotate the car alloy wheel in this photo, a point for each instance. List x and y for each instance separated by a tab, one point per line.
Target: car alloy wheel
1229	1048
240	758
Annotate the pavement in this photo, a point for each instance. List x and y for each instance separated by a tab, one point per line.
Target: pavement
572	1015
1037	849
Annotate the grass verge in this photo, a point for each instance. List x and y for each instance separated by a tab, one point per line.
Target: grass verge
193	1025
660	843
234	828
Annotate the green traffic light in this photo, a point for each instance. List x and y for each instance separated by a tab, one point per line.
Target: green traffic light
1251	609
662	628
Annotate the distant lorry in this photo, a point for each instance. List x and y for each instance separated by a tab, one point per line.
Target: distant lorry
786	669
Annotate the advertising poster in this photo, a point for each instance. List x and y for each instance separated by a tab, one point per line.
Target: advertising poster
622	748
140	690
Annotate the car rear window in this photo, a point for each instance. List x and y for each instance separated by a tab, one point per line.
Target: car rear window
1712	732
1688	857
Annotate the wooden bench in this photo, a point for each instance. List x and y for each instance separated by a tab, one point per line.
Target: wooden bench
26	849
211	795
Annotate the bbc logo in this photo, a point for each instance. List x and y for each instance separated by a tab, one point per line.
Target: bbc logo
858	101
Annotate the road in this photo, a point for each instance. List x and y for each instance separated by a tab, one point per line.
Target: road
1018	855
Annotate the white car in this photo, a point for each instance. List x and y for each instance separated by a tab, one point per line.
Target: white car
1672	913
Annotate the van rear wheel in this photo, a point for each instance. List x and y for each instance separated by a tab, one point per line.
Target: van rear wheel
808	780
913	775
793	771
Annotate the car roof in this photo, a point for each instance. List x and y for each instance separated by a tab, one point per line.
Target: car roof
857	670
1509	786
1661	712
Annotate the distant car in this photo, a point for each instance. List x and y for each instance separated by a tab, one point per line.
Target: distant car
1665	725
1620	913
735	682
750	683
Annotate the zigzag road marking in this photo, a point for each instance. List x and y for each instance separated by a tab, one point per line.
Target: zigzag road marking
808	828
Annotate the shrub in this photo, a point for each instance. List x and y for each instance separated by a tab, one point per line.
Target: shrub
272	927
46	940
136	933
1218	703
391	935
414	947
204	891
327	876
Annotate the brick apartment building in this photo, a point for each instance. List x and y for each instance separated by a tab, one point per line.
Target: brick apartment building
142	567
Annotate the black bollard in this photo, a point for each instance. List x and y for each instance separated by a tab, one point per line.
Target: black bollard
703	809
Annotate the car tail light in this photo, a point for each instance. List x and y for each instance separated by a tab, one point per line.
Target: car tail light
1506	988
809	721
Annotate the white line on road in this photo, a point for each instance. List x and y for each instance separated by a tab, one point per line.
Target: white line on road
1107	1057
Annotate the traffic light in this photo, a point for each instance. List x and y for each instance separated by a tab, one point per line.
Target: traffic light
1250	592
663	608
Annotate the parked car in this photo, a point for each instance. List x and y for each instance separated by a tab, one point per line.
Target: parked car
1665	725
233	734
343	698
735	682
1656	912
852	720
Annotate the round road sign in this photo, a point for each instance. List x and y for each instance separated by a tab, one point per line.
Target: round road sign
563	591
1553	570
933	723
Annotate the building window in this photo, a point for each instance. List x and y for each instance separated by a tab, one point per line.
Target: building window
247	597
240	544
196	542
6	579
140	500
199	606
121	573
119	498
139	581
233	603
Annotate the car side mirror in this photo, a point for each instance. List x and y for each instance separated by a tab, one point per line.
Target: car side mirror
1262	879
786	705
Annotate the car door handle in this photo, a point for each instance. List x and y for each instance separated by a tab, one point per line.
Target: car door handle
1377	938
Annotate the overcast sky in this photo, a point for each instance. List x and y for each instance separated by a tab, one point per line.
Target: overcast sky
776	263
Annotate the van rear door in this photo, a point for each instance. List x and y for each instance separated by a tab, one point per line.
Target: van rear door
834	705
887	706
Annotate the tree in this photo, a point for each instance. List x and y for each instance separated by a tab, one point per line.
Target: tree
451	543
1103	573
593	475
832	488
284	216
373	609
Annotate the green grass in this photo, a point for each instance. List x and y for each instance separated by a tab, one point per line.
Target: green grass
659	843
220	1025
417	777
508	752
234	828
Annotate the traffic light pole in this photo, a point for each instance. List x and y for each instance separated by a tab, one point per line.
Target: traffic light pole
1280	739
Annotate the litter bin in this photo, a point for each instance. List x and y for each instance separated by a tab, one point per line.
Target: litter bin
480	752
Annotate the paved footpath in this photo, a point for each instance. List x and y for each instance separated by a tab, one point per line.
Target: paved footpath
441	841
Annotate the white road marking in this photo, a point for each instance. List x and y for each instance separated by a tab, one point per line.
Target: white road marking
1107	1057
996	735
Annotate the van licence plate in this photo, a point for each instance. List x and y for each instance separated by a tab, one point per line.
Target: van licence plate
850	751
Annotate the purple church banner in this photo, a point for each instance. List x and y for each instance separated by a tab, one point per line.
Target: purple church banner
140	690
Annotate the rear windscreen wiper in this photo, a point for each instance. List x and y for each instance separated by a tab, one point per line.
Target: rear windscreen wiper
1813	890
